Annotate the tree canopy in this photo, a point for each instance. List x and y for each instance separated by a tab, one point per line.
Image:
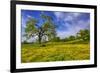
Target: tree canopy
46	29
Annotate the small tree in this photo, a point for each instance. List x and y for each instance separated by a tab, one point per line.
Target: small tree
71	37
83	34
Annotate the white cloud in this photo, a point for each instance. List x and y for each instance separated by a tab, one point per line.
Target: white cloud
23	22
76	14
29	16
84	24
68	16
58	14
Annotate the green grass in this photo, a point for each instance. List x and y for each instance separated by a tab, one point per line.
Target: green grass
56	51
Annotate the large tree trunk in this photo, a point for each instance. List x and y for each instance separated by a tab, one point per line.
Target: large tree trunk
39	38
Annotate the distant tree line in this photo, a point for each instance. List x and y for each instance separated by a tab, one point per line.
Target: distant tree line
83	35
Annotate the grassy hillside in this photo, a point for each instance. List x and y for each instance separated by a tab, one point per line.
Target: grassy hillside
56	51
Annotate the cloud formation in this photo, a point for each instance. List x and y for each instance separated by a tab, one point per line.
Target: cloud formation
72	22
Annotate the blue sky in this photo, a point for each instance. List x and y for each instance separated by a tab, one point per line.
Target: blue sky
68	23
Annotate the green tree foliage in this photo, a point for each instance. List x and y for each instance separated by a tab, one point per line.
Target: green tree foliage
71	37
46	29
56	39
83	35
31	29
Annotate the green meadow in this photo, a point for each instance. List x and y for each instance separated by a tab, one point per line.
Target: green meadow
55	51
